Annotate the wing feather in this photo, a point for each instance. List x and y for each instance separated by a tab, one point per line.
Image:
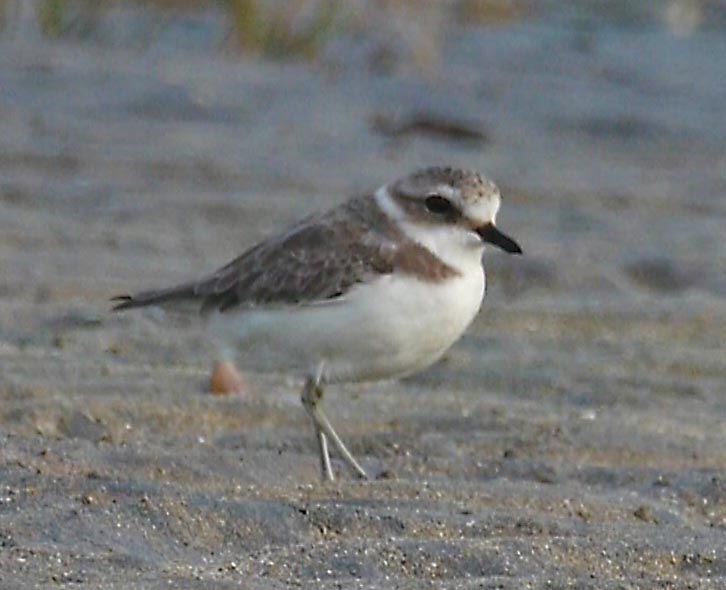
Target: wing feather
314	262
318	260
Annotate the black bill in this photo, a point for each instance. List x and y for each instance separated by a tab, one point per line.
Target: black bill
490	234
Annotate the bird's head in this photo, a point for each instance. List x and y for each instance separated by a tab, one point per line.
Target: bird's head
462	200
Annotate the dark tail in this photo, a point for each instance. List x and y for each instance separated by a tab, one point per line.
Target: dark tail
154	297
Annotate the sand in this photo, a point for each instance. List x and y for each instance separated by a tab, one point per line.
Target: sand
574	437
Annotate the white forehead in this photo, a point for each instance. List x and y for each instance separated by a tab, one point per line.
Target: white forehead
482	209
474	195
447	191
477	205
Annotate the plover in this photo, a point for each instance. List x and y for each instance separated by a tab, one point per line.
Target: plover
378	287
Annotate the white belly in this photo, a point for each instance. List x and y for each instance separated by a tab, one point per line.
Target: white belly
389	328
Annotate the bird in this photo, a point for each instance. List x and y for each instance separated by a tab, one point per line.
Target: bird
378	287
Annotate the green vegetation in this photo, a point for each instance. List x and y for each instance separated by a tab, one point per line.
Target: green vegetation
51	16
296	28
282	30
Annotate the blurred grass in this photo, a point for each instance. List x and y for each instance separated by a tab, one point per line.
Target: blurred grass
280	29
272	28
487	12
51	17
60	17
283	30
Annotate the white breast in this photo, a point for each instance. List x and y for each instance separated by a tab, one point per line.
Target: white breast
391	327
416	322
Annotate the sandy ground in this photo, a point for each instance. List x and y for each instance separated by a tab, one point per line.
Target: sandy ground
575	437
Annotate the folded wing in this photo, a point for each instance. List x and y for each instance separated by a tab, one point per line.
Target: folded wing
318	260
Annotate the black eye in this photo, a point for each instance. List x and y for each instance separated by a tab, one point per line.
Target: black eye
438	205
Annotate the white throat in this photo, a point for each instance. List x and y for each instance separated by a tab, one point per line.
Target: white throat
456	246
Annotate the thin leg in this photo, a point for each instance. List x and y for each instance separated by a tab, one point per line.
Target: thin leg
312	396
326	468
309	395
327	429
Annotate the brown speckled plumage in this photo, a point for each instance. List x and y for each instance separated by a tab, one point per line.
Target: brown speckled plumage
321	258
